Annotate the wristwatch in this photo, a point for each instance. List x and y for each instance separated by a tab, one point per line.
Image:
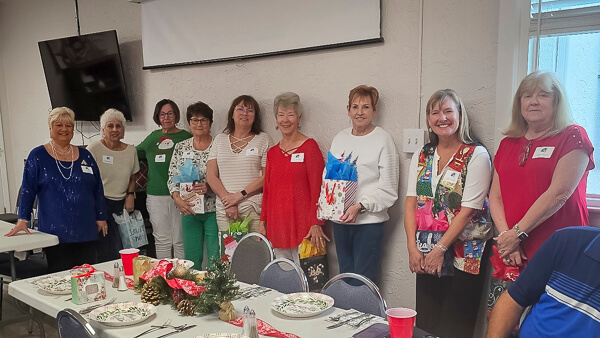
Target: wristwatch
520	234
244	193
362	208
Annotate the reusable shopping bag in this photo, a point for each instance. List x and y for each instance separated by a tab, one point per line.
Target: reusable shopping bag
132	229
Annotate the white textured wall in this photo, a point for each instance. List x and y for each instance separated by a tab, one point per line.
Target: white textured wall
459	51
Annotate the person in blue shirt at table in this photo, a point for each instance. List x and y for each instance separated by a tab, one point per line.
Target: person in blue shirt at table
561	283
70	195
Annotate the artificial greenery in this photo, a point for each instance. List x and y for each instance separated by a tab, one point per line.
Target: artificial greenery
220	287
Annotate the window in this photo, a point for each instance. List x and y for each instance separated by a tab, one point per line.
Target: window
567	41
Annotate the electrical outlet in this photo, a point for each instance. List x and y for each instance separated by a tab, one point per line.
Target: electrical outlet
413	140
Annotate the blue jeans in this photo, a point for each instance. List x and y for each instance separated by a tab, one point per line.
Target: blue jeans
358	248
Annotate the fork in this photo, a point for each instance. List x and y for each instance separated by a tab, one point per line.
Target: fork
155	328
93	307
347	321
339	317
364	321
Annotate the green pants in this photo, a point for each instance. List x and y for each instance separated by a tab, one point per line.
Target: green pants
195	229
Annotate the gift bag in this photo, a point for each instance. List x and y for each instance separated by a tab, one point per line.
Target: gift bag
338	189
314	264
426	241
229	239
335	198
132	229
186	191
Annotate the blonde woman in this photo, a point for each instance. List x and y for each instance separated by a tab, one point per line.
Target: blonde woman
71	205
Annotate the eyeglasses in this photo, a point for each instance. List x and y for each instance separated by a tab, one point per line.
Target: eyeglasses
244	109
165	115
202	121
525	154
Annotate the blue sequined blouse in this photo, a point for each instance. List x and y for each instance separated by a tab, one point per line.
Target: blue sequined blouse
66	208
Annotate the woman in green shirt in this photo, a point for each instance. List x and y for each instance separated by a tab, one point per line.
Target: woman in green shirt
157	149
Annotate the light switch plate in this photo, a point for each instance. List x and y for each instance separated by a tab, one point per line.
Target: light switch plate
413	140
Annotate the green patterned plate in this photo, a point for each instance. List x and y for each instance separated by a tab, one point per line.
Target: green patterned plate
302	304
54	284
122	314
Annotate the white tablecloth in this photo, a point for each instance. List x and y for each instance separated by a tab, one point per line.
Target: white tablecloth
303	327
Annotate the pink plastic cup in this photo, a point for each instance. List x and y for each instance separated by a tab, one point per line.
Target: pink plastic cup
401	321
127	256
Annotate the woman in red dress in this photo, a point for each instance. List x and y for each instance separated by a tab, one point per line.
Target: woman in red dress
539	185
292	184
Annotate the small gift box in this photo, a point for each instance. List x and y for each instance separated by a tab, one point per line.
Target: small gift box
186	191
87	285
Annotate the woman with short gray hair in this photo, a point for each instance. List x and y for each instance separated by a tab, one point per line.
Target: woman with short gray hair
118	163
292	184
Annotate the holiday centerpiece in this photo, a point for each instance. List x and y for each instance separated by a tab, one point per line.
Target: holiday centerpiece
189	291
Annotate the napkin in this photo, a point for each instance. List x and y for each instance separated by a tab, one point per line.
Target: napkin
377	330
264	328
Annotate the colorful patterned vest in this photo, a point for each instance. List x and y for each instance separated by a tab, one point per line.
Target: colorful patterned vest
435	213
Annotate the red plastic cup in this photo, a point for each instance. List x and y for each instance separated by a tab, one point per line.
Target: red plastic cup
401	321
127	256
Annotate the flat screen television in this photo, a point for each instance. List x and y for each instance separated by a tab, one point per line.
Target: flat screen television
84	73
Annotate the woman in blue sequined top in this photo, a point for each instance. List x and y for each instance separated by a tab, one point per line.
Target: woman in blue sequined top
70	195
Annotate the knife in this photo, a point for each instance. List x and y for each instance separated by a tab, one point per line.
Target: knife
177	331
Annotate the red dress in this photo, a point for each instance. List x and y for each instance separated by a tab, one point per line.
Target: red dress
290	193
522	186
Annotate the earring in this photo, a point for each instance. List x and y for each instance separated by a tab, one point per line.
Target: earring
276	127
429	129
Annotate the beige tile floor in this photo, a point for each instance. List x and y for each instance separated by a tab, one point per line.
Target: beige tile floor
19	330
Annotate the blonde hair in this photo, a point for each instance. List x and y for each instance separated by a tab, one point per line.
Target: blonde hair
464	131
548	82
62	114
288	100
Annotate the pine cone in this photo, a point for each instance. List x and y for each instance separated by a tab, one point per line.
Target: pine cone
150	294
186	308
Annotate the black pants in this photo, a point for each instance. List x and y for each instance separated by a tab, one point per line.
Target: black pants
448	306
65	256
108	246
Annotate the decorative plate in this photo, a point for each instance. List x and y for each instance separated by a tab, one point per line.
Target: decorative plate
302	304
122	314
221	335
54	284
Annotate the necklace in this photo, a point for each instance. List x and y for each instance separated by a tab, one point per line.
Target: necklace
55	148
59	165
235	147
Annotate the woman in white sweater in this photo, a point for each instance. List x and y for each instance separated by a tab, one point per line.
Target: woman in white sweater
359	231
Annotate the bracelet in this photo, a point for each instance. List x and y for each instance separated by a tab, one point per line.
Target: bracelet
442	247
503	232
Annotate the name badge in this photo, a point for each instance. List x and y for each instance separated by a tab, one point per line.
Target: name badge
543	152
252	151
107	159
451	176
87	169
188	154
297	157
160	158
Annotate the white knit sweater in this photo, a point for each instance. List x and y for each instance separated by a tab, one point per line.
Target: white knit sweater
377	168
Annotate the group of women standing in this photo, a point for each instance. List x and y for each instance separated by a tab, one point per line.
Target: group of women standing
538	185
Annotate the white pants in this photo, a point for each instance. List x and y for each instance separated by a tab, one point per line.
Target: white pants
291	254
166	226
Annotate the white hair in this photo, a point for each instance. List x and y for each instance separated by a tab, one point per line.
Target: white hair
111	114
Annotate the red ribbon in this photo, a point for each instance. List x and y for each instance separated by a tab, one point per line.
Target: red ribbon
503	271
330	197
264	328
90	270
163	268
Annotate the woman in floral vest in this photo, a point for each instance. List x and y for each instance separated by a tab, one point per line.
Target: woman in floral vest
447	220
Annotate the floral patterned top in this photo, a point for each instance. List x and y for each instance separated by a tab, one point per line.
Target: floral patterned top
185	150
